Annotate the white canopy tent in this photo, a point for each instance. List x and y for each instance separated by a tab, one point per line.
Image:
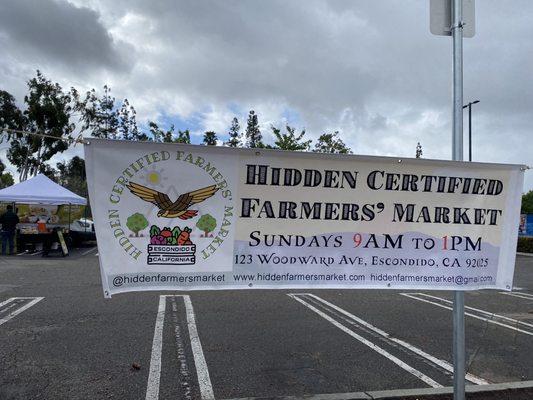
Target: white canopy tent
40	190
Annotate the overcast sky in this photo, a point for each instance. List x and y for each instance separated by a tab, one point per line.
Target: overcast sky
367	68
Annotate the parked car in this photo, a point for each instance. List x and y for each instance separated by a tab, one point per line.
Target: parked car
82	230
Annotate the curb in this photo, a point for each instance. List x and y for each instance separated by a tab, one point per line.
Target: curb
391	394
524	254
400	393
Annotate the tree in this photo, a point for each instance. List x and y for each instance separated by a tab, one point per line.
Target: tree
104	118
527	203
48	171
253	133
184	137
160	135
97	115
207	224
71	175
234	134
136	223
6	179
418	150
210	138
48	111
127	123
10	115
331	143
289	140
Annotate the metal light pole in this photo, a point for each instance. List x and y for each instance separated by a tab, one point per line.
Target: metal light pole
457	152
446	18
469	105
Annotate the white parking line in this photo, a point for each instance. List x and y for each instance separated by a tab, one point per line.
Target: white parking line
485	316
32	302
27	253
8	307
152	388
185	376
204	381
206	389
368	343
88	251
520	295
438	362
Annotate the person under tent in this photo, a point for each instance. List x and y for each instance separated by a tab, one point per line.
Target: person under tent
9	221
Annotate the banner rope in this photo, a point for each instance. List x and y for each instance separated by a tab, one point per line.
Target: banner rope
70	140
81	140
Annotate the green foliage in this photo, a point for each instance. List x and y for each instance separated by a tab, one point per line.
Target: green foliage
527	203
127	123
136	223
12	118
10	115
176	232
154	230
419	152
98	115
160	135
49	172
253	134
290	140
71	175
210	138
6	180
207	224
331	143
168	136
102	117
48	111
234	134
184	137
525	245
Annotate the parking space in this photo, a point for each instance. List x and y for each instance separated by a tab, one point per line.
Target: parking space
60	339
15	305
86	249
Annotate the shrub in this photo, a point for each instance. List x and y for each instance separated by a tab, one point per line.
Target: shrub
525	245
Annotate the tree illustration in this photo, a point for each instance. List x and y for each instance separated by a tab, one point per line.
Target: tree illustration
136	223
207	224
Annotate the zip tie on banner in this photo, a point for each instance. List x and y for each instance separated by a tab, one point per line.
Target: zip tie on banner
70	140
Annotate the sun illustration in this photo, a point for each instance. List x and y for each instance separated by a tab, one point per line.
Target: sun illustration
154	177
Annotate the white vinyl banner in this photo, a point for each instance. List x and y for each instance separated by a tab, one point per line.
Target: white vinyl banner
185	217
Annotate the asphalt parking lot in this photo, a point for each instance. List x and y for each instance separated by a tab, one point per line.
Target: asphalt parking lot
60	339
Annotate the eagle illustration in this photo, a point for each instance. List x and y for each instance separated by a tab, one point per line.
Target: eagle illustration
168	209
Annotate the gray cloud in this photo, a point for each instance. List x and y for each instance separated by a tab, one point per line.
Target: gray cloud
370	69
58	32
